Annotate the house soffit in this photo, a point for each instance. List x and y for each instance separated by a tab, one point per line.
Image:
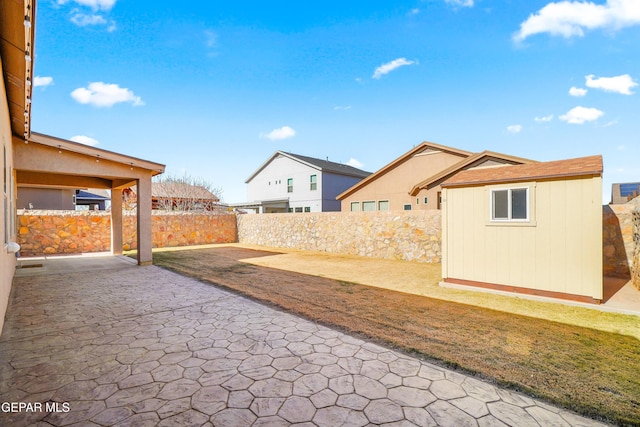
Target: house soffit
76	164
17	36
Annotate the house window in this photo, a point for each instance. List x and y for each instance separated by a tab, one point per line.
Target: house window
510	204
407	207
290	185
439	198
417	200
355	206
369	206
307	209
383	205
313	179
298	210
290	210
425	200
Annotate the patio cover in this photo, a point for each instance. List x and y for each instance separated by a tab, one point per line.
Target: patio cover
47	161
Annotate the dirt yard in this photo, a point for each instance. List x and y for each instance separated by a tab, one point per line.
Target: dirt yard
591	371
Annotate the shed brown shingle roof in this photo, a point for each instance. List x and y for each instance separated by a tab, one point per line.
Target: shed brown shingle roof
583	166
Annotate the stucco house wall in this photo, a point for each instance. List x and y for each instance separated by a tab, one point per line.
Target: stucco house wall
7	188
46	198
394	184
556	252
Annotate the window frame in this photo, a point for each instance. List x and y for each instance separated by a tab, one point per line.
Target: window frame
369	203
352	204
289	185
313	182
380	202
530	219
407	207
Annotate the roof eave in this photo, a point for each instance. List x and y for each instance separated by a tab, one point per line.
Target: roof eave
398	161
76	147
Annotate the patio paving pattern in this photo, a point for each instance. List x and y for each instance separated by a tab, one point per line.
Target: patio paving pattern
142	346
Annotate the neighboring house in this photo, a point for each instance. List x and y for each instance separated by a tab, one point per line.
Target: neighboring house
93	199
412	181
532	228
176	196
289	182
622	193
182	196
62	198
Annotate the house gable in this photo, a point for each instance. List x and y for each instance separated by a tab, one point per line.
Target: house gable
478	160
425	148
306	184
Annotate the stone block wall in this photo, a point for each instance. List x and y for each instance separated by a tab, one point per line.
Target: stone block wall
67	232
411	235
635	266
618	239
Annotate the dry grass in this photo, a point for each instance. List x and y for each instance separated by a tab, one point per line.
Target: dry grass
594	372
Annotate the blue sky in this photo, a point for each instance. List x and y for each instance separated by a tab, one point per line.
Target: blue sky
213	88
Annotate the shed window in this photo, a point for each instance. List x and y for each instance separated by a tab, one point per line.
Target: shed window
355	206
510	204
369	206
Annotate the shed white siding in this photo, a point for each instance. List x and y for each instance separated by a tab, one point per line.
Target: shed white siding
558	250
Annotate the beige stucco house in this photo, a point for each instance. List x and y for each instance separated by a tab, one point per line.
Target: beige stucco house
413	180
36	160
532	228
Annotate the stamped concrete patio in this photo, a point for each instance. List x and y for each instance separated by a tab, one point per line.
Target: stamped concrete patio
141	346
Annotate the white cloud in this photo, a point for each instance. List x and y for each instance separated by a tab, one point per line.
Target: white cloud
577	91
461	3
390	66
102	94
514	129
618	84
93	4
42	81
82	20
414	11
82	139
572	18
544	119
211	38
581	115
342	107
280	133
355	163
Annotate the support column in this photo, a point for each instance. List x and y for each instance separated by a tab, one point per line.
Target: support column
144	221
116	221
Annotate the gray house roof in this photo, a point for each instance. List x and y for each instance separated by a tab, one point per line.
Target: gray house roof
319	164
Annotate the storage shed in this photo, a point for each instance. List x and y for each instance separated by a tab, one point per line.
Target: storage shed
533	229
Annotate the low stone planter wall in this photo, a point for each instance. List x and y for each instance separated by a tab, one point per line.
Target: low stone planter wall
67	232
413	236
